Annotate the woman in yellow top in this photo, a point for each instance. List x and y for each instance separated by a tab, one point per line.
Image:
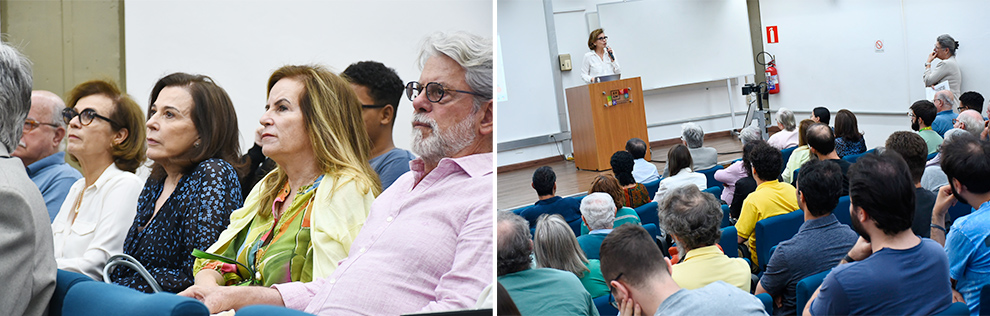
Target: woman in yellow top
301	219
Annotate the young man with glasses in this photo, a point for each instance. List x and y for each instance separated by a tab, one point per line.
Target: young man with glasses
379	89
641	284
39	150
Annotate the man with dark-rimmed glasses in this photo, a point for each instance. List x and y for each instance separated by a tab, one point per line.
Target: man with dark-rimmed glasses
641	283
44	130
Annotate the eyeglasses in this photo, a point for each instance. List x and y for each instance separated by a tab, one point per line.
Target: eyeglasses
30	124
960	108
611	298
85	117
373	106
602	38
434	91
911	115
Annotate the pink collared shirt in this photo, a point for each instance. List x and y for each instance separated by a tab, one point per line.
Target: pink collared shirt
424	247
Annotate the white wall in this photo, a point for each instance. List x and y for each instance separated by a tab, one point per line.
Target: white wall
239	43
662	105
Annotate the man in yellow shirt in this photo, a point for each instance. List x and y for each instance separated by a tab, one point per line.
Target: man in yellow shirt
693	219
770	199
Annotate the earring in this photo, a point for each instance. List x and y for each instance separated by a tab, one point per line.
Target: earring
196	144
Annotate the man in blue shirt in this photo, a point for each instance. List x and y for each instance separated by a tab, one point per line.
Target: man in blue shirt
966	162
379	89
39	150
545	184
944	102
819	244
890	270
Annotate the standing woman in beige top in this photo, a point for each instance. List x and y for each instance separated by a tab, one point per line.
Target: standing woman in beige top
946	69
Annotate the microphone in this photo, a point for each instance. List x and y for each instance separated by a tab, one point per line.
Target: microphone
610	55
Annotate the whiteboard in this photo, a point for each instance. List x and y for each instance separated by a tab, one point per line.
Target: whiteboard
676	42
531	108
827	55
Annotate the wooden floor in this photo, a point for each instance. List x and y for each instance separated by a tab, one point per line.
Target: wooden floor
515	187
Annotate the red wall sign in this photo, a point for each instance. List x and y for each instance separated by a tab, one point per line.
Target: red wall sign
772	34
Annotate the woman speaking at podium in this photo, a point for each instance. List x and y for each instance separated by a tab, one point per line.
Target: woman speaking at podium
600	61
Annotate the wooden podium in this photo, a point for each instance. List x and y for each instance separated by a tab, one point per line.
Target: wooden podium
603	117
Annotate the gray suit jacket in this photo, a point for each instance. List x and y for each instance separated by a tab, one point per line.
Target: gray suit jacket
703	157
27	263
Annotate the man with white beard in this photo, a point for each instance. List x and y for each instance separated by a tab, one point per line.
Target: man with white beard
427	243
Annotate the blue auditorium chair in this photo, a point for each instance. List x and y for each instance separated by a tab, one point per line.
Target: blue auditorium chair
806	287
104	299
771	231
729	243
648	213
710	174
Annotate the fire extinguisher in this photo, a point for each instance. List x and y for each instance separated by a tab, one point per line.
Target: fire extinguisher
773	83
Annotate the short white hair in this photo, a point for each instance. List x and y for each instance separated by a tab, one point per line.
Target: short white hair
471	52
786	118
598	210
692	134
973	121
751	133
15	95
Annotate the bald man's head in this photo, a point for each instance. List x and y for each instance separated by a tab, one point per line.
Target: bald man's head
945	100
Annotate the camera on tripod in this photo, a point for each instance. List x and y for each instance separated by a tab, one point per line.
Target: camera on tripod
751	88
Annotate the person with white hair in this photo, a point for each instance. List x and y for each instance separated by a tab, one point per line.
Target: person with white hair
787	137
27	266
970	121
944	102
693	137
44	130
598	213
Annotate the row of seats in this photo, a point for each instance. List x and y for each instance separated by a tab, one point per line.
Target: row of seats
79	295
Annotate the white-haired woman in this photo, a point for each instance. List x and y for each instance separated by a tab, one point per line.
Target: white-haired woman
787	137
555	246
738	170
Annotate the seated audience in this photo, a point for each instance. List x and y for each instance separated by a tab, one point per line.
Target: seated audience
641	282
679	159
539	291
731	174
745	185
606	183
555	247
970	121
27	267
922	114
44	130
379	90
800	155
106	137
848	139
193	187
446	264
971	100
944	102
317	199
693	137
912	148
890	270
820	115
635	194
771	198
787	137
545	184
820	242
598	213
967	164
643	171
693	218
933	177
822	143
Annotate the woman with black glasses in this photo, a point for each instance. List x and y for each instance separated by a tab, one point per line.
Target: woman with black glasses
106	138
600	61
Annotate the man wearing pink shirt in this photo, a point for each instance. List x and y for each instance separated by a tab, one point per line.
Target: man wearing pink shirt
427	243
